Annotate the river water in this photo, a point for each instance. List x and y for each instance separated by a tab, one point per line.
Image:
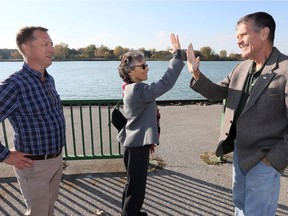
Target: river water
83	80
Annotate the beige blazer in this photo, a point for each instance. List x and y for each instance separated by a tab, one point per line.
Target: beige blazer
262	127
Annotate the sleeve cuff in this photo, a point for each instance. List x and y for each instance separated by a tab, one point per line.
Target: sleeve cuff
177	54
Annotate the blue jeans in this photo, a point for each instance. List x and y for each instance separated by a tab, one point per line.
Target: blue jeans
257	192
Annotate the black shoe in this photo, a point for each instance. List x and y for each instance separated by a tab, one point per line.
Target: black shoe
142	214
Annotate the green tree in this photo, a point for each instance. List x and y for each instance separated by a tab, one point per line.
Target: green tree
235	57
146	53
223	54
89	51
16	55
73	53
162	55
5	54
119	51
102	52
206	53
61	51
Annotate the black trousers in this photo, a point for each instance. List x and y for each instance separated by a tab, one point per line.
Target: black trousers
136	160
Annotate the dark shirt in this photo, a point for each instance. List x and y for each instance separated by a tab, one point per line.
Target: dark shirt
248	87
34	109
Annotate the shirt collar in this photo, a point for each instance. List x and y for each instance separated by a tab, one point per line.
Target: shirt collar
34	72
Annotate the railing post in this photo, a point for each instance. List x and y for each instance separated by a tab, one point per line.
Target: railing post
5	134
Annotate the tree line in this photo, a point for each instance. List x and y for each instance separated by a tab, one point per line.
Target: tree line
62	52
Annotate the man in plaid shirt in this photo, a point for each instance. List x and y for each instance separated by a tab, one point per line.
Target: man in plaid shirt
28	98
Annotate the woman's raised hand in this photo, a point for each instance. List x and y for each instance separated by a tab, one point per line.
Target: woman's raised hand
175	42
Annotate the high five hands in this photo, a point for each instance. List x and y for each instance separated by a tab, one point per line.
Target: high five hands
192	62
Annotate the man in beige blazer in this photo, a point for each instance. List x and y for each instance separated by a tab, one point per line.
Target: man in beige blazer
256	115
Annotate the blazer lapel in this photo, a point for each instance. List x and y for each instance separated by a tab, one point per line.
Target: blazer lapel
263	81
237	84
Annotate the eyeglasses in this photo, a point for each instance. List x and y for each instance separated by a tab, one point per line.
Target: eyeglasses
142	65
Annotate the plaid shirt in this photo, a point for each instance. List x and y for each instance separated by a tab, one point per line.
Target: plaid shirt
33	108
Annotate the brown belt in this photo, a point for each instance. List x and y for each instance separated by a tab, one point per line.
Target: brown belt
43	157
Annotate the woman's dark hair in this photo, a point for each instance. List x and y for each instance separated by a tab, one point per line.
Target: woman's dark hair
260	21
128	62
26	34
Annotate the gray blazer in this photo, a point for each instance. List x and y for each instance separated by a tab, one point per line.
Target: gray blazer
140	108
262	128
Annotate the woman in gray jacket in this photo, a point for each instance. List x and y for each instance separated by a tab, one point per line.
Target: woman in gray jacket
140	134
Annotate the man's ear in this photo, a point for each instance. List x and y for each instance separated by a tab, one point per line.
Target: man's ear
25	47
265	33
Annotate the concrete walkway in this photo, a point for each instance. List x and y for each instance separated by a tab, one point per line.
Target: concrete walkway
185	186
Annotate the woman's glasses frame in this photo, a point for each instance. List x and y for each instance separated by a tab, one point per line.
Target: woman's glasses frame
142	65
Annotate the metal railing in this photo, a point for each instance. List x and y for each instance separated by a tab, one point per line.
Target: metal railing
89	133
